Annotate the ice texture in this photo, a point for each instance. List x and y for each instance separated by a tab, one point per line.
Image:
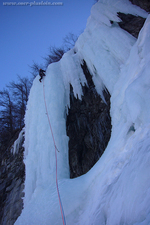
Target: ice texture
117	189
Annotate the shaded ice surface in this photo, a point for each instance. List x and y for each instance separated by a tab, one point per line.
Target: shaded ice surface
18	142
117	189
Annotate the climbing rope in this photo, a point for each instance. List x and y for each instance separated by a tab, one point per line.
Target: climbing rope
60	203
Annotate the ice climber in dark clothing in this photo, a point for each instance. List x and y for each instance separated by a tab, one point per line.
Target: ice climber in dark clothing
42	74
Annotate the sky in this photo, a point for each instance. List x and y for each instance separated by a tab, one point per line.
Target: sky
27	32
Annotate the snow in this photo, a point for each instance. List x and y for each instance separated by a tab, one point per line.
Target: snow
117	189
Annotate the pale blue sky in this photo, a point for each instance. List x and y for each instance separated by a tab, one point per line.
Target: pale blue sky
27	32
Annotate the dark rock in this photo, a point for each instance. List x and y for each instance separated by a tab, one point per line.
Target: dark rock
88	127
132	24
12	170
144	4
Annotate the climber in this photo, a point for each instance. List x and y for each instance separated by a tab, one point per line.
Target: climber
42	74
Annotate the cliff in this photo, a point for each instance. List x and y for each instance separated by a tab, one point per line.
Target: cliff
87	120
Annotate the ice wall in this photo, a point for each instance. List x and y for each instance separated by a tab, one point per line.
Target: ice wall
118	61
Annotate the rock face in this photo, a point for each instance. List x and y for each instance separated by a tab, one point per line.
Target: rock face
88	121
12	174
131	24
88	127
144	4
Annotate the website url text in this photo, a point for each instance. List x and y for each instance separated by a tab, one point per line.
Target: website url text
41	3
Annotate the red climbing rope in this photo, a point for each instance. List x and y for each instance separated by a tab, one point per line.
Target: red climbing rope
60	203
